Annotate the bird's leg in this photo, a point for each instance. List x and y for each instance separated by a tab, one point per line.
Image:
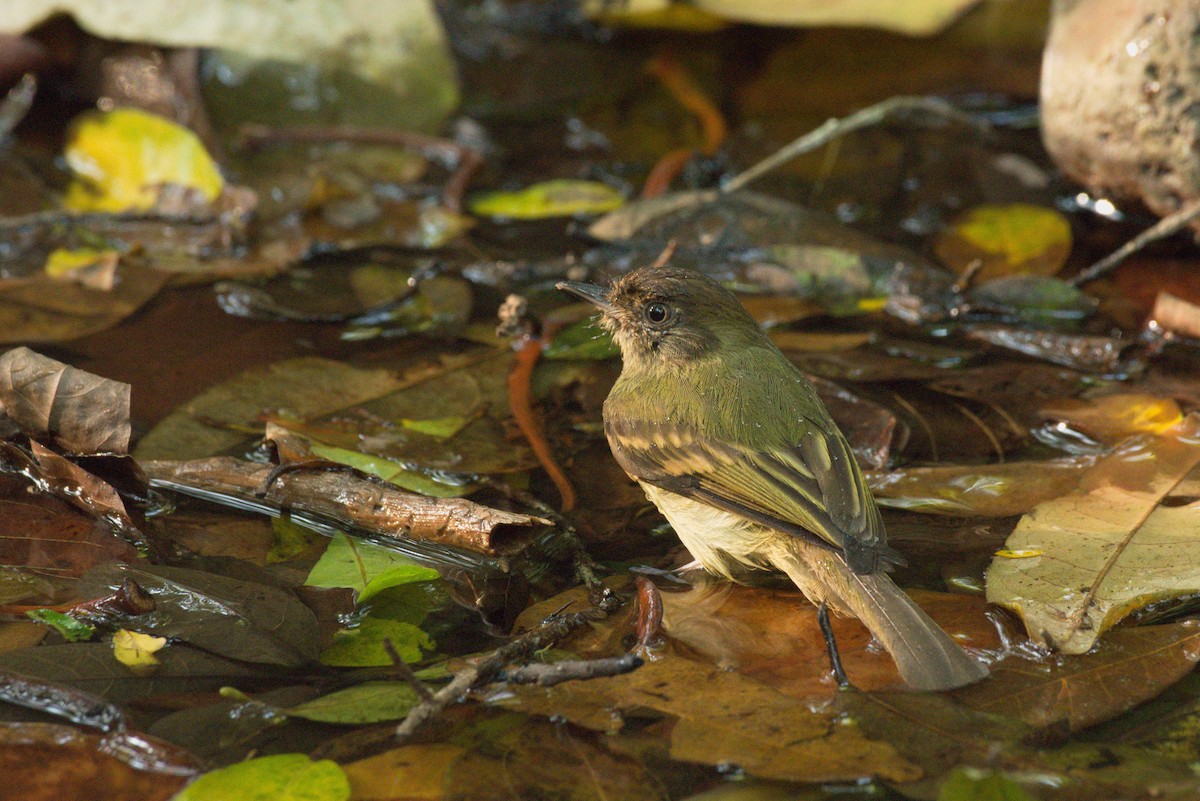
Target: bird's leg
835	658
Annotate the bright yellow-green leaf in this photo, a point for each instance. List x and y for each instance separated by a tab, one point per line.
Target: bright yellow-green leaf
1013	239
440	427
284	777
559	198
92	267
122	158
363	646
137	651
365	567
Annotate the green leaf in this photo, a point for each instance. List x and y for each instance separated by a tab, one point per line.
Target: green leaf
291	539
972	784
394	471
559	198
285	777
365	567
363	646
370	702
582	340
440	427
71	629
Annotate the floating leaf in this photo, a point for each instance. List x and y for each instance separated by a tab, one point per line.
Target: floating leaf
72	630
124	158
283	777
365	567
1110	547
973	784
363	645
558	198
1011	239
410	771
369	702
137	651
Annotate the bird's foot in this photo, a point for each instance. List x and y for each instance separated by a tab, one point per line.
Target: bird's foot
835	658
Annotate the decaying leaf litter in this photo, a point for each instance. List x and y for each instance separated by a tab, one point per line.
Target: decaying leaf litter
387	554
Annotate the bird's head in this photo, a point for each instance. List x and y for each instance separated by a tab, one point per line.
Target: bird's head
661	314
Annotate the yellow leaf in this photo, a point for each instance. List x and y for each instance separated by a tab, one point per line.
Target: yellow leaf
1112	418
559	198
123	158
136	651
1013	239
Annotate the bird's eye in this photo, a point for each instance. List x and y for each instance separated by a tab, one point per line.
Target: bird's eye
657	313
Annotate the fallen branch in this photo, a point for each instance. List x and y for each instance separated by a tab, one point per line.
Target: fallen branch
547	675
350	500
840	126
551	631
1163	228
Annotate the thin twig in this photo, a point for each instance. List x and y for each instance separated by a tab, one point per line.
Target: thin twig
547	675
840	126
405	672
1163	228
550	632
462	161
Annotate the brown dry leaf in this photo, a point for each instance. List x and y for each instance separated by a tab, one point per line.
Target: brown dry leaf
1088	559
995	490
773	636
81	412
1111	418
49	762
740	721
1130	665
48	536
410	772
1013	239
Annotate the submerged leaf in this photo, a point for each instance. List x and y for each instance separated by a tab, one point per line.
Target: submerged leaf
1112	418
1012	239
369	702
363	646
1110	547
283	777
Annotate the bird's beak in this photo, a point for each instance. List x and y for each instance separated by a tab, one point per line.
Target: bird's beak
595	295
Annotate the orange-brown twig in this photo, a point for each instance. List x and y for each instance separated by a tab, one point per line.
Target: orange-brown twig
520	401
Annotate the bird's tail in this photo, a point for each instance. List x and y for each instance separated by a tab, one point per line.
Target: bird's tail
926	656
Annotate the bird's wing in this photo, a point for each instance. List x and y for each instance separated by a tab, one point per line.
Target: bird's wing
812	489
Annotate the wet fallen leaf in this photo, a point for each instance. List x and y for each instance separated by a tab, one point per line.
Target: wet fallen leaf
81	412
1009	240
283	777
1129	667
92	668
1078	351
997	490
363	645
1108	548
773	636
239	619
973	784
369	702
559	198
416	772
364	567
393	470
1032	299
49	762
741	722
17	635
1112	418
69	628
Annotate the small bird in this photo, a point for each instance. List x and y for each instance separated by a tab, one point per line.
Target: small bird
731	443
